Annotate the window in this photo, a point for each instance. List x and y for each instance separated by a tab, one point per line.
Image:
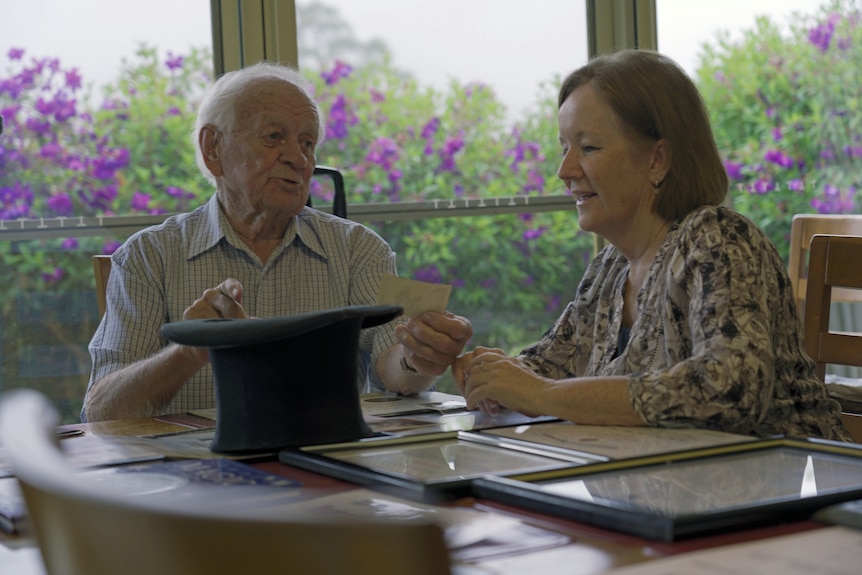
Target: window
442	118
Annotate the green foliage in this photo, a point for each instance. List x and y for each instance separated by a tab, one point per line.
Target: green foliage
786	114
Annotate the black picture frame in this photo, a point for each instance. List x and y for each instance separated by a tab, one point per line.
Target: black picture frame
673	496
432	467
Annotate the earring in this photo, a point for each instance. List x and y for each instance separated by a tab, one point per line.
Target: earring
656	183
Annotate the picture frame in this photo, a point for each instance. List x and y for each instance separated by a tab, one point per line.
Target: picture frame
673	496
430	467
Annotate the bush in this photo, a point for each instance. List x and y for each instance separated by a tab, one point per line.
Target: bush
786	114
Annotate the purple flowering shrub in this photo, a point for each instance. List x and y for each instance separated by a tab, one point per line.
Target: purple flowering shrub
785	109
62	154
398	141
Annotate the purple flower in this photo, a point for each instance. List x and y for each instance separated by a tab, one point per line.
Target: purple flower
553	303
796	185
763	186
16	53
110	247
50	150
821	36
38	126
734	169
340	118
776	134
430	128
430	274
69	244
535	234
341	70
61	204
451	147
73	79
535	182
383	152
174	62
778	158
181	194
140	202
377	96
53	276
15	201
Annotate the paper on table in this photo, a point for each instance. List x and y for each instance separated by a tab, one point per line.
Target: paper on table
827	551
414	296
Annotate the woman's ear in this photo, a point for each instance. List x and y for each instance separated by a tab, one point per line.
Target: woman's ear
661	160
209	143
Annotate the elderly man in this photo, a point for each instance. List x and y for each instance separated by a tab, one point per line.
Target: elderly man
253	250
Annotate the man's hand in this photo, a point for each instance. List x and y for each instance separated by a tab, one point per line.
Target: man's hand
432	341
222	301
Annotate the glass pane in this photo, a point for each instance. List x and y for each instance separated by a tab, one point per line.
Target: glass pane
98	103
782	84
447	99
434	99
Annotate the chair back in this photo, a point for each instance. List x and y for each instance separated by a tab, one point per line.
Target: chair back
339	199
803	228
87	529
101	271
834	262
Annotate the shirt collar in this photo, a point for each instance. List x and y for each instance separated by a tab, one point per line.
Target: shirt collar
215	226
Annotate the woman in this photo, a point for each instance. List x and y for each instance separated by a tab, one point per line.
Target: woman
687	318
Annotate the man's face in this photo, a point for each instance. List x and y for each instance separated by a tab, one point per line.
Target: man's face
267	158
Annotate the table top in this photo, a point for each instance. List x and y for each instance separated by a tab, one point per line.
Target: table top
597	550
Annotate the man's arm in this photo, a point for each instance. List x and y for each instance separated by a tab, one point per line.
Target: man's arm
144	388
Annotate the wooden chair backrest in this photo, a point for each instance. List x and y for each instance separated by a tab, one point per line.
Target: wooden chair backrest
835	261
101	271
85	527
803	228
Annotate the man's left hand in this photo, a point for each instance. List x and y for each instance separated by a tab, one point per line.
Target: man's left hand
432	341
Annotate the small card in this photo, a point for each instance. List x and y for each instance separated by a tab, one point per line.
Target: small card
414	296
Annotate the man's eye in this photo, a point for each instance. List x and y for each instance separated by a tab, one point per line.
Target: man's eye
274	137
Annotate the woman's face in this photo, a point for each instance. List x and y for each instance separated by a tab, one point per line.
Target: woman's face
606	167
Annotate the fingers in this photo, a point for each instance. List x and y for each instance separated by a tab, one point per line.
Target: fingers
222	301
434	340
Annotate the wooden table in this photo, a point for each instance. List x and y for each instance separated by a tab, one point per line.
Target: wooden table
597	550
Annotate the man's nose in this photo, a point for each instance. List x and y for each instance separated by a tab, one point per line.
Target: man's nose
291	153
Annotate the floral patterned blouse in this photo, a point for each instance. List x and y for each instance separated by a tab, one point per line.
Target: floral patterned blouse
717	343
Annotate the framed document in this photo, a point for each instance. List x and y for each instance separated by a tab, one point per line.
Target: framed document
681	494
428	467
617	442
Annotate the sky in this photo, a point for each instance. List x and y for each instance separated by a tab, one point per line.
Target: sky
511	46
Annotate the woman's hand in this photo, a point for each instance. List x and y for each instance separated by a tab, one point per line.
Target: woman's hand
488	379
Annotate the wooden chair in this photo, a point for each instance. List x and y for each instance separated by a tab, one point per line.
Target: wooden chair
803	228
85	528
101	271
834	262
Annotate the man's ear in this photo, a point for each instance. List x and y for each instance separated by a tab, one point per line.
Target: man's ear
208	140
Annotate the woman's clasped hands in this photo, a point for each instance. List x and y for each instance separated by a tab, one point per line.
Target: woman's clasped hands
490	380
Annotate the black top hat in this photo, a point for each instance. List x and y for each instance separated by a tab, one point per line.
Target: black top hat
284	381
